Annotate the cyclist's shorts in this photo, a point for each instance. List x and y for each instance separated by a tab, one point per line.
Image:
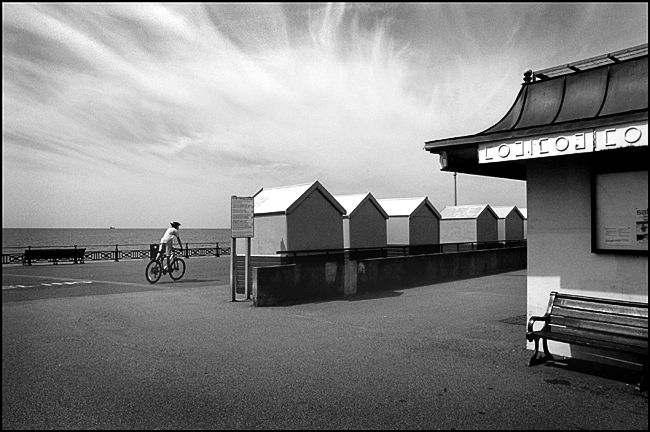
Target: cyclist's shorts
167	247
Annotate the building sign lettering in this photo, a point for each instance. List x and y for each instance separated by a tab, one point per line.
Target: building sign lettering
630	135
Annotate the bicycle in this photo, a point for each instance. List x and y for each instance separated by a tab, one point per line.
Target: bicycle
156	268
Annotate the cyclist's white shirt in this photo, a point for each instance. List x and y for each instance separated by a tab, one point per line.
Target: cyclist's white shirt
169	235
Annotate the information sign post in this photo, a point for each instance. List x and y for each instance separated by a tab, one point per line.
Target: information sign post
242	226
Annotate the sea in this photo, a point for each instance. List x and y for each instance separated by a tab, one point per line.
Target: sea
97	239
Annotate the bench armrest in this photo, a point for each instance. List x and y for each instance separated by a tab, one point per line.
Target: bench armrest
534	319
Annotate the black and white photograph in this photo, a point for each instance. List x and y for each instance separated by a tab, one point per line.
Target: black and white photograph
324	216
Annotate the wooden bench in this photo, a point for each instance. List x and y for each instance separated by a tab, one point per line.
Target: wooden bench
614	325
53	254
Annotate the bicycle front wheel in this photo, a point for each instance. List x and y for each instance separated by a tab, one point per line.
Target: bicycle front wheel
177	269
153	271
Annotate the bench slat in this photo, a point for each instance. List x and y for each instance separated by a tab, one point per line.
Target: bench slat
599	326
624	320
580	339
602	305
553	332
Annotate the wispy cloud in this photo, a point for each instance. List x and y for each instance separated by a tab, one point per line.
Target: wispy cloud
246	95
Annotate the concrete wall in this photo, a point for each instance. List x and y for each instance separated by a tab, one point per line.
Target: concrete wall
314	224
405	272
397	230
367	227
286	284
424	227
297	283
487	227
559	244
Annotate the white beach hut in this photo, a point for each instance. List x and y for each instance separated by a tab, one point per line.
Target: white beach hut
468	223
411	221
524	213
296	218
510	222
364	221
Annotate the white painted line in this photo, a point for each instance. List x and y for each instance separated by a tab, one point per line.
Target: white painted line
8	287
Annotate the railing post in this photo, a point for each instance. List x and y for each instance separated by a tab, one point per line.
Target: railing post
187	250
116	252
216	251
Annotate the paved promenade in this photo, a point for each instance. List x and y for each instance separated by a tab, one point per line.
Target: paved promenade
94	346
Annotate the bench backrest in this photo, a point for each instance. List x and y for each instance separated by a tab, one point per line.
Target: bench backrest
606	319
54	253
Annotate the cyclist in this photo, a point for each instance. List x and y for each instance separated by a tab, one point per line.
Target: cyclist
167	243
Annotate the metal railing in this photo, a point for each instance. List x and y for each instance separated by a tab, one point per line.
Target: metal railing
126	252
398	250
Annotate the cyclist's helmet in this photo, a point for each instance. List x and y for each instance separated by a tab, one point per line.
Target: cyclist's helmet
175	224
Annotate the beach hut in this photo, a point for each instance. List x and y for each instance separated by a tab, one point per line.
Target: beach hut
296	218
468	223
364	221
411	221
524	213
510	222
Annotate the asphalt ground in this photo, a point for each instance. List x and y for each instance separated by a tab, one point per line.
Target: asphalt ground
95	346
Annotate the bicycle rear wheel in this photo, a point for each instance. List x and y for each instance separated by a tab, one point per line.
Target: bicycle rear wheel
153	271
177	269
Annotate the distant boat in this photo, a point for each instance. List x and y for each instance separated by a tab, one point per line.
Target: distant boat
111	227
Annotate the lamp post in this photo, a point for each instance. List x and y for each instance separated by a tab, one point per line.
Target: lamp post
455	190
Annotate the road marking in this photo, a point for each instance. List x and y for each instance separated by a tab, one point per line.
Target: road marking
8	287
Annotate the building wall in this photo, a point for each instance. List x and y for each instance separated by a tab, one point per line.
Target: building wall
457	230
514	227
501	223
346	231
487	227
270	235
367	227
559	244
424	227
397	230
314	224
525	228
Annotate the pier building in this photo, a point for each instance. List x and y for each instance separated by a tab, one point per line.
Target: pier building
578	135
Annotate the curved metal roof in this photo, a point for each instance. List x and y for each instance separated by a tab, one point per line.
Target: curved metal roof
572	96
600	91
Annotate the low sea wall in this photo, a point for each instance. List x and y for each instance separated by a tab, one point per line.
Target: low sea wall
297	283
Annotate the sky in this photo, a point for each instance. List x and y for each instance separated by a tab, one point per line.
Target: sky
135	114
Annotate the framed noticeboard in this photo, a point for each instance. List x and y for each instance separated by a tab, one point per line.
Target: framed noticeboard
242	222
620	212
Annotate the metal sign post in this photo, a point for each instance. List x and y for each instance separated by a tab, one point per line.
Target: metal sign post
242	226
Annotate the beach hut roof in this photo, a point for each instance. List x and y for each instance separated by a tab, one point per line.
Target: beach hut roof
502	212
466	211
285	199
351	203
405	206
